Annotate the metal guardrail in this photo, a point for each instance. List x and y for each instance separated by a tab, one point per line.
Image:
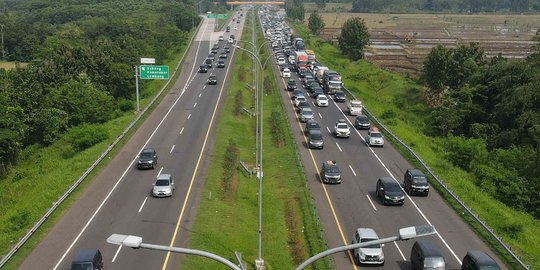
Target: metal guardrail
66	194
443	185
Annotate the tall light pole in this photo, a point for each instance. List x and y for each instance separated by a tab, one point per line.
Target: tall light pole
259	164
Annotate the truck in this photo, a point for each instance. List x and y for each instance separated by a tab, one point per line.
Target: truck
332	87
311	56
292	37
319	74
301	60
331	81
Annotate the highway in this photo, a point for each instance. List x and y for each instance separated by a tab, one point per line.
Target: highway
181	129
353	204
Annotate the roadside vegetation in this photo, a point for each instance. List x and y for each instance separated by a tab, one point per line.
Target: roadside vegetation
70	97
229	217
474	125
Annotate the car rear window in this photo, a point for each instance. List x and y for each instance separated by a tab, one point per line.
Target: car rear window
162	182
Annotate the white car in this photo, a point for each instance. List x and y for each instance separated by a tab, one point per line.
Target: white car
220	38
236	28
322	101
299	99
286	73
375	137
355	107
341	129
280	61
230	41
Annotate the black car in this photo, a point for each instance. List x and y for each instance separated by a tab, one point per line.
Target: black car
212	79
415	182
330	172
301	105
389	191
362	122
315	91
221	64
227	49
208	62
214	51
315	139
339	96
291	85
203	68
311	124
147	159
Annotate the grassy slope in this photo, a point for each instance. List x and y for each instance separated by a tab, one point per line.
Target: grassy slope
232	225
44	174
384	92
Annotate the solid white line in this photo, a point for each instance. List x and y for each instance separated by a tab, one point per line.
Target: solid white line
125	171
160	170
182	130
352	170
195	105
320	115
339	147
142	205
369	199
171	149
189	116
116	254
402	256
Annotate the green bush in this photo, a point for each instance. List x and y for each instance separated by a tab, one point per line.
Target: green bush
126	105
462	152
85	136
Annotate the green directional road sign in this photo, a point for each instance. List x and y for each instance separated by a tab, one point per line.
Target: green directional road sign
154	72
217	16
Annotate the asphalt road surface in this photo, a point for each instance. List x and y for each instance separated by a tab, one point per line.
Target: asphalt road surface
119	200
352	204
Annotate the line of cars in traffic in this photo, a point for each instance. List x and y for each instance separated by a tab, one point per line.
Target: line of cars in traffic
318	81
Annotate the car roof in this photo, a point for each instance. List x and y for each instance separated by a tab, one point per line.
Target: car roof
362	116
387	180
429	248
165	176
367	233
148	150
482	258
416	172
85	255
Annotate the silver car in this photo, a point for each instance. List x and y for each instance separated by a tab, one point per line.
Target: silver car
164	186
372	254
306	114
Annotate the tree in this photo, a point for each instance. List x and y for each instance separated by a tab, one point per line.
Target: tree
434	73
354	38
316	23
295	10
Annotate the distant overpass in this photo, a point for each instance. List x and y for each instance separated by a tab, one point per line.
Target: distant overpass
251	3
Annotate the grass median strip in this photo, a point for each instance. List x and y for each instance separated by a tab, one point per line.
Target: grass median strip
228	222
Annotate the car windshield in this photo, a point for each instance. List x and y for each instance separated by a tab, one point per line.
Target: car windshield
307	113
393	188
322	98
332	169
146	155
376	135
335	84
342	126
419	180
316	136
162	182
370	246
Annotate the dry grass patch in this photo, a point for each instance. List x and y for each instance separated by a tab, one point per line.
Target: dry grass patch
295	230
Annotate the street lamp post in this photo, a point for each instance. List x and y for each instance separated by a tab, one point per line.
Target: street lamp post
260	121
404	234
135	242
